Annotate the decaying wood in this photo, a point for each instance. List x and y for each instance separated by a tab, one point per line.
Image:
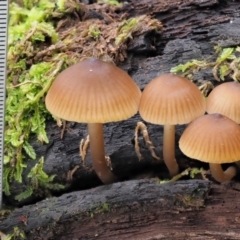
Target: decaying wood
137	209
204	28
186	18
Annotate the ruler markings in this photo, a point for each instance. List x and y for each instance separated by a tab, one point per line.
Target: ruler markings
3	52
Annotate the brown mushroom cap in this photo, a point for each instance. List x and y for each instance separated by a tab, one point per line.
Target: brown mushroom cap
212	138
171	99
93	91
225	99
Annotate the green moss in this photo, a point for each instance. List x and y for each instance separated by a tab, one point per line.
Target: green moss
112	2
40	183
16	234
227	64
193	64
191	172
125	29
105	207
29	78
94	32
61	5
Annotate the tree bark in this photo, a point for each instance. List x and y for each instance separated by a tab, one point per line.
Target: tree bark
137	209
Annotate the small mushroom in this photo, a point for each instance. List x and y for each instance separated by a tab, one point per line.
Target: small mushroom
94	92
214	139
168	100
224	99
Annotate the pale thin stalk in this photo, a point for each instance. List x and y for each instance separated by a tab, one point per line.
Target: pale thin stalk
97	152
169	149
220	175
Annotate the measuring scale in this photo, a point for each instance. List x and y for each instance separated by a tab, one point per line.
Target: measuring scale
3	61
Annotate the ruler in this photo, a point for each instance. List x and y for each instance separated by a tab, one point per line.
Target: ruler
3	62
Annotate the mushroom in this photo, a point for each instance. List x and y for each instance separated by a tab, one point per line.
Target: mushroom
214	139
94	92
168	100
224	99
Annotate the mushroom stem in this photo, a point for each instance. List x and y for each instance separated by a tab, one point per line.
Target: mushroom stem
97	152
169	149
220	175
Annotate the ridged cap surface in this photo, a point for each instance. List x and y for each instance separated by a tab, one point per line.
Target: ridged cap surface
171	99
93	91
225	99
212	138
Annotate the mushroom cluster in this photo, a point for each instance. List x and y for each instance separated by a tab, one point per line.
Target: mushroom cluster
215	138
97	92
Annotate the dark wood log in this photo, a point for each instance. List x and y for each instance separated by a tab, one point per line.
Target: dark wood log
137	209
79	215
201	22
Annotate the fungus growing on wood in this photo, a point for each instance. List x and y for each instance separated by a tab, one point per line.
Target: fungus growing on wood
169	100
94	92
224	99
214	139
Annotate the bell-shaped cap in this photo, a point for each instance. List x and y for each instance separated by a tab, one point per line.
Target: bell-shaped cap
212	138
225	99
93	91
171	99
